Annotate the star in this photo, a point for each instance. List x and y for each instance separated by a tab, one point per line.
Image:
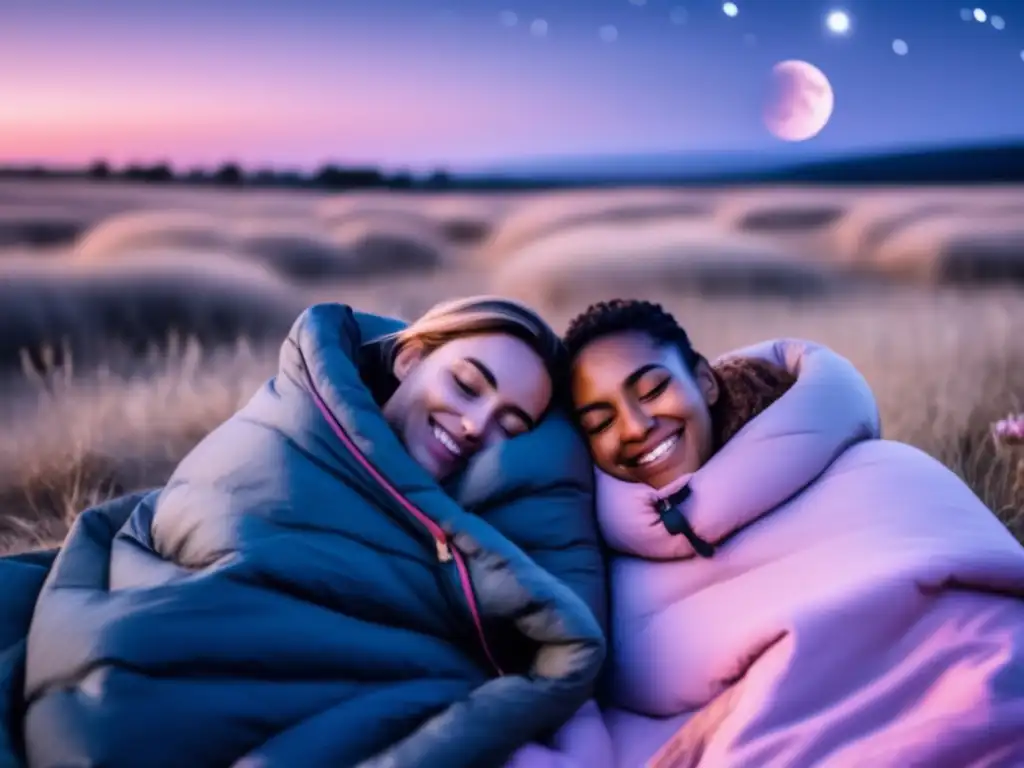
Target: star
730	9
838	22
980	15
900	47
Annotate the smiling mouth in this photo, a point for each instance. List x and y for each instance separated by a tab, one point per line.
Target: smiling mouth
660	451
444	438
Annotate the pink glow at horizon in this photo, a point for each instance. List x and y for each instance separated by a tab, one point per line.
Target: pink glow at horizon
363	122
263	121
288	102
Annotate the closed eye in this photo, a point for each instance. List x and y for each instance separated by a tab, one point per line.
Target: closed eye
656	391
465	387
600	427
595	417
513	427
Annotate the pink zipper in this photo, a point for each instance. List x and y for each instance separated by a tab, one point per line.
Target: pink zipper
445	550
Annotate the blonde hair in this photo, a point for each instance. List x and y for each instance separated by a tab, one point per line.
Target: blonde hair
474	315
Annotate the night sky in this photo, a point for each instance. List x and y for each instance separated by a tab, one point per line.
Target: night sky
420	82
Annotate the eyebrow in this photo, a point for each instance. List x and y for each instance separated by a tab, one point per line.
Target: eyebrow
492	380
639	373
629	381
486	372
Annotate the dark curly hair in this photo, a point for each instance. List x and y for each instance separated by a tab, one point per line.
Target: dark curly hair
746	386
624	315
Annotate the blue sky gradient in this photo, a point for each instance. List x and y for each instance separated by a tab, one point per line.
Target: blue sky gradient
425	82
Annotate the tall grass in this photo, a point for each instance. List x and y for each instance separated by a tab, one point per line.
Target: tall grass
74	440
77	426
943	367
87	308
550	213
580	263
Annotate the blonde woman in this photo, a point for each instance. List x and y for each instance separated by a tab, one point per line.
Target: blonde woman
336	575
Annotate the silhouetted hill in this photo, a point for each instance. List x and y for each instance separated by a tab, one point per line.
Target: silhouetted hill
958	165
930	165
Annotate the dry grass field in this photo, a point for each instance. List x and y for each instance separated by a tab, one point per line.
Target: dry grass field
134	320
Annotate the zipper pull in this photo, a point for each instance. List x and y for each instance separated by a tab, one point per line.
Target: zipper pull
444	552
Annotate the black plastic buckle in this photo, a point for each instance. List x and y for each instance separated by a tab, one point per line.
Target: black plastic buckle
675	522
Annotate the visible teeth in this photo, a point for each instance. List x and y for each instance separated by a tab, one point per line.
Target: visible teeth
658	451
447	441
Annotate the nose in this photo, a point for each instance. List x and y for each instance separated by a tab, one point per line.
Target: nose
475	424
636	423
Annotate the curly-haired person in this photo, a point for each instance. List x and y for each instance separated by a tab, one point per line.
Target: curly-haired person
787	588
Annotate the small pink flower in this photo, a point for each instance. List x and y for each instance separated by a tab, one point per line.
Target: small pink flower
1009	431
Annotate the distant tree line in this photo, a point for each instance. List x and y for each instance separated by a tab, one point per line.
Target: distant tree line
971	164
332	177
